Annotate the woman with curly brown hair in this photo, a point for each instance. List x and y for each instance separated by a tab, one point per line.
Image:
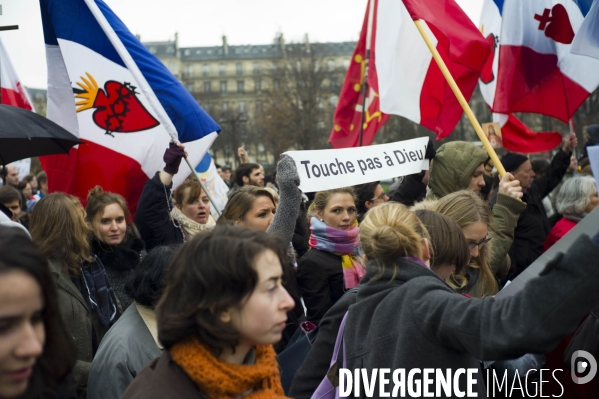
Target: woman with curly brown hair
223	307
85	298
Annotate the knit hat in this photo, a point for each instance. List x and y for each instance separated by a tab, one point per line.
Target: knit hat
512	161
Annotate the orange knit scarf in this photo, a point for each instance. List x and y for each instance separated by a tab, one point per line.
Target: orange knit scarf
219	379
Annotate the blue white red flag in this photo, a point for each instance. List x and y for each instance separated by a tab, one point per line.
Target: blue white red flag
215	184
586	41
106	88
516	135
537	72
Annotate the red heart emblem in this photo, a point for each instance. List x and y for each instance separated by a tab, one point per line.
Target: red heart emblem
119	110
487	75
557	26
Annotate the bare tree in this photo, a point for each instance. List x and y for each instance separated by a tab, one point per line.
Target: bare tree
298	111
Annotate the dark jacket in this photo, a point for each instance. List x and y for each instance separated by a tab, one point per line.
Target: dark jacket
162	379
316	364
410	190
81	323
320	278
152	216
415	320
119	262
126	349
533	225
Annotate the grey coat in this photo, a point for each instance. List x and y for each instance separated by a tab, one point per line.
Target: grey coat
415	320
81	324
126	349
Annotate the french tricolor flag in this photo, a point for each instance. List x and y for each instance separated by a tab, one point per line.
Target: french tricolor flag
537	72
106	88
13	92
517	136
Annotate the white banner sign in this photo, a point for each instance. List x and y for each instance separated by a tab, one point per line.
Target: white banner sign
327	169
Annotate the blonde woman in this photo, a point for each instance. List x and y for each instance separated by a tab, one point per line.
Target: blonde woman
470	212
435	328
333	264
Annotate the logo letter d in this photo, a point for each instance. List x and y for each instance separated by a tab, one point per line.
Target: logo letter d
582	366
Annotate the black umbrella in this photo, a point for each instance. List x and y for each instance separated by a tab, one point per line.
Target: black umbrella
25	134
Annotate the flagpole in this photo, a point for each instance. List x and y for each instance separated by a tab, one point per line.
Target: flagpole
144	86
366	63
456	90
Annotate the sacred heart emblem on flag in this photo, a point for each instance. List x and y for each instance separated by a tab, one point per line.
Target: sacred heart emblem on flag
556	24
487	75
117	108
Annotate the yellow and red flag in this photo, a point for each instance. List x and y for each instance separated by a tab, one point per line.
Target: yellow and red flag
348	115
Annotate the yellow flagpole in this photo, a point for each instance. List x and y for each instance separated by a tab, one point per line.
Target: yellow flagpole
456	90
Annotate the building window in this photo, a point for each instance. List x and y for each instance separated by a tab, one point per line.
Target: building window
223	87
257	85
221	69
239	68
256	68
205	70
171	66
189	87
240	87
275	84
258	106
331	65
274	67
188	71
206	87
225	106
241	105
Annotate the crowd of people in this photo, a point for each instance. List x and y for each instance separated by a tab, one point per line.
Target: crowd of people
167	302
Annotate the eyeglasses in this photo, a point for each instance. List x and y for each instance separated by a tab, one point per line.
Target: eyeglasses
380	197
479	244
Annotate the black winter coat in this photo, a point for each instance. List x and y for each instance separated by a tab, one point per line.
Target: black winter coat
152	217
320	279
533	225
413	319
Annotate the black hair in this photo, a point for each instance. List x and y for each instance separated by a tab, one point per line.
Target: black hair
244	170
17	252
365	193
147	283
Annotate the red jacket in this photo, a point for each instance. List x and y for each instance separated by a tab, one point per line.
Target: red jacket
560	229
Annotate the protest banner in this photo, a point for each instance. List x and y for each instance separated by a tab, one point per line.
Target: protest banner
327	169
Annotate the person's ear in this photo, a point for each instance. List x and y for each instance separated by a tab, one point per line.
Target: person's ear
225	316
368	204
318	214
426	255
245	179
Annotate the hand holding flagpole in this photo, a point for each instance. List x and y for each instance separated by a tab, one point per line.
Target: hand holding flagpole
456	90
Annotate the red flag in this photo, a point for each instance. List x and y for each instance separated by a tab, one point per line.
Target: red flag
348	114
520	138
13	92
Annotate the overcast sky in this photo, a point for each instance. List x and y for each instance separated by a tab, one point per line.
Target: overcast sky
198	22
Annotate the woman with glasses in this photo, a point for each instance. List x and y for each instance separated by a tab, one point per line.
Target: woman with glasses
369	195
473	216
